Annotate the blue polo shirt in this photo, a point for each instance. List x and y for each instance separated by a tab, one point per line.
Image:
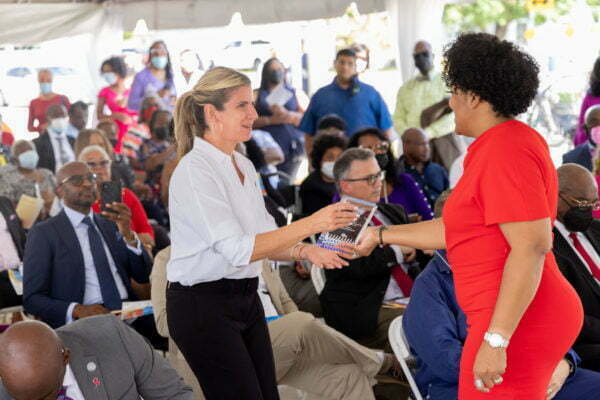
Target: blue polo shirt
360	105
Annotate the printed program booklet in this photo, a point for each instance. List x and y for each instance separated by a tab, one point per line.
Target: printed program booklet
351	233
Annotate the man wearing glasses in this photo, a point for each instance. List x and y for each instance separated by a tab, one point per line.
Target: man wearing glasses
79	263
577	251
353	297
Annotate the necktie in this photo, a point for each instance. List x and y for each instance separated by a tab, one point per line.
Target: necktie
590	262
62	394
402	279
62	153
108	288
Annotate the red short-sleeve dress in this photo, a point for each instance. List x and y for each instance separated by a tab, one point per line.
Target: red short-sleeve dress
508	177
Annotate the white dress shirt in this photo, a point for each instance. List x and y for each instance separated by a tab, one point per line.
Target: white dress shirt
9	256
54	139
589	248
214	217
93	294
393	291
71	385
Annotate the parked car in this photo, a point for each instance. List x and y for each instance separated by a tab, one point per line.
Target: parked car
244	54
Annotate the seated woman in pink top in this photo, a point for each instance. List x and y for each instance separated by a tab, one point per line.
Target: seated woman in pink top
114	98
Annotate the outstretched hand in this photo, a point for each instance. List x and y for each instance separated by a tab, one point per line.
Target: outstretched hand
332	217
324	258
367	242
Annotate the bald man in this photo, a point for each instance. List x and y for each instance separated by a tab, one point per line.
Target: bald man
583	153
431	177
54	147
577	252
95	358
423	100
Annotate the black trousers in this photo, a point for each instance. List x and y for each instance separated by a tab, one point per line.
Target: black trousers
221	331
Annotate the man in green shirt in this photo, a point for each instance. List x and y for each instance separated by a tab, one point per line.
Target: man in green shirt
423	100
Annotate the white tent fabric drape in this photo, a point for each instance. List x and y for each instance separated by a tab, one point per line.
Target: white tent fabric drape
32	23
416	20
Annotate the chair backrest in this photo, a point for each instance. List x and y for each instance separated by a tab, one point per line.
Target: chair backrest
402	352
318	278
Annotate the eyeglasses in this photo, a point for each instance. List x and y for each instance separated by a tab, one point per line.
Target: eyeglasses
77	180
370	179
583	204
102	163
382	147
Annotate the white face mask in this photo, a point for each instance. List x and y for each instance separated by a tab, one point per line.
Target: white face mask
59	125
327	169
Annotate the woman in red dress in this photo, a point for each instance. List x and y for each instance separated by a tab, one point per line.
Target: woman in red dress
522	314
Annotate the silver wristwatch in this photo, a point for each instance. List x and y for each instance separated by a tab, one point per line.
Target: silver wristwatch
496	340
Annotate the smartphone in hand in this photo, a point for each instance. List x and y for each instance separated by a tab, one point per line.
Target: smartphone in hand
110	192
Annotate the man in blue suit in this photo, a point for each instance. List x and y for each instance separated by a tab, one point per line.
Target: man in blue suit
436	329
80	264
582	154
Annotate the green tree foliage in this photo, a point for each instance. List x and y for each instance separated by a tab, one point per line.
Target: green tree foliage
497	15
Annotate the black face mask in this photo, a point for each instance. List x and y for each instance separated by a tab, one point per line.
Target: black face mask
423	62
161	133
275	76
578	219
382	160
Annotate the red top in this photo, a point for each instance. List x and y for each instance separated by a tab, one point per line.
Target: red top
509	177
139	219
38	108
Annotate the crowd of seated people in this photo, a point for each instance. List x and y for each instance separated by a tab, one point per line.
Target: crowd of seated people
82	259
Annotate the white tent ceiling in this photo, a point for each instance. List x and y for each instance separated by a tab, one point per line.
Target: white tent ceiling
32	22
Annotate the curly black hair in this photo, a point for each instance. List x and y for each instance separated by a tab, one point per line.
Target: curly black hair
322	143
595	79
117	65
331	121
391	168
495	70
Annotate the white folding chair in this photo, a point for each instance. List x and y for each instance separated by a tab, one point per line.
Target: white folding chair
400	347
318	278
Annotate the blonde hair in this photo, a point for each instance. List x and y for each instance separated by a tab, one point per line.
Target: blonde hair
84	138
214	87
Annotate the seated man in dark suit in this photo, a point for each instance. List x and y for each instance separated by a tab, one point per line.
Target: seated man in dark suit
12	244
95	358
79	263
577	252
582	154
353	296
436	329
54	146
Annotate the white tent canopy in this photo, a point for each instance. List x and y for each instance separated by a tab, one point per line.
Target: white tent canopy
34	22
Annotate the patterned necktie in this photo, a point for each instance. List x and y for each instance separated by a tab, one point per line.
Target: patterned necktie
581	250
62	394
404	281
108	287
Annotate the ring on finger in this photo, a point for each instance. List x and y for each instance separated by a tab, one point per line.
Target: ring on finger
479	383
498	380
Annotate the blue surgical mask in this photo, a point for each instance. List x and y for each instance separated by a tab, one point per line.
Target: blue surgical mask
59	125
110	77
45	87
28	159
159	62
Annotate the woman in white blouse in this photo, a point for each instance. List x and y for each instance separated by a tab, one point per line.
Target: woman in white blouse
220	231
